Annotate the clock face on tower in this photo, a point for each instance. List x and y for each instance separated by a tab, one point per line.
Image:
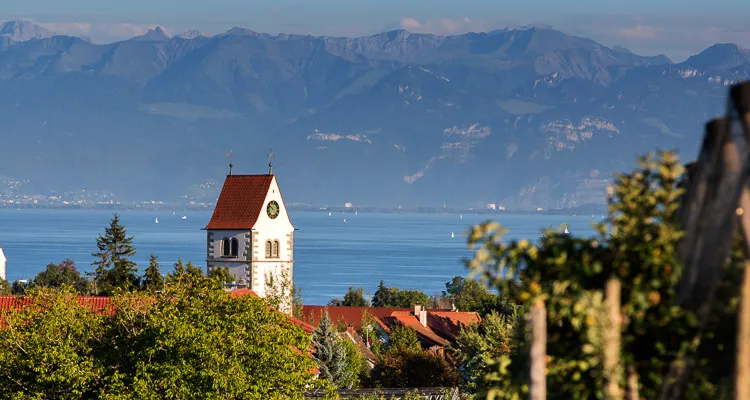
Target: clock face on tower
272	209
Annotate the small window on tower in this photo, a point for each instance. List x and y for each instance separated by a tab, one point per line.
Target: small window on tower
275	249
226	247
235	247
268	249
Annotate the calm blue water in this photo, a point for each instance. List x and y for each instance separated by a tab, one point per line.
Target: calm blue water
405	250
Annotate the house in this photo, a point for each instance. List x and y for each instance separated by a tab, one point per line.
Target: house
251	233
435	329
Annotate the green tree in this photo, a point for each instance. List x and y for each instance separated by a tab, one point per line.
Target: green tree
283	294
114	269
638	245
479	345
383	296
352	298
152	278
403	340
198	340
46	348
63	273
330	354
187	342
185	274
408	298
471	295
405	364
356	366
221	274
5	287
394	297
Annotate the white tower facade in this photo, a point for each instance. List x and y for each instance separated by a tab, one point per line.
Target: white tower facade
3	260
252	235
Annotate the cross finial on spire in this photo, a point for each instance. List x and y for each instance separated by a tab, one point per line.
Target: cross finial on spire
271	156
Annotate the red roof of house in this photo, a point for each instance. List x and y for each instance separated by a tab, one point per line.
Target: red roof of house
448	324
351	316
412	322
243	292
93	303
101	304
240	202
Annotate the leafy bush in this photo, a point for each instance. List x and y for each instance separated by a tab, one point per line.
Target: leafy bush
638	245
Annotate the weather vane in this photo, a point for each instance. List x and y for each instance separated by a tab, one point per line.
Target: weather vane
230	161
271	156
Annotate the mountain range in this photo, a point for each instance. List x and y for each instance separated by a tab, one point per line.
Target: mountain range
529	117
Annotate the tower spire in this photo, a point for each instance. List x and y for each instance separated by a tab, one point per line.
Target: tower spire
271	156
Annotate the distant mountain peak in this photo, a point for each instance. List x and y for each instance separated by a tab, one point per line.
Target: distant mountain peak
156	35
22	31
237	31
720	55
191	34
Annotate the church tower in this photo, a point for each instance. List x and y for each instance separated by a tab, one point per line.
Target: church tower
251	233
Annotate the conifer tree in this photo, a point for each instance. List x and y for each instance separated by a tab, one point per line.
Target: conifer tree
185	273
383	297
330	353
152	279
114	269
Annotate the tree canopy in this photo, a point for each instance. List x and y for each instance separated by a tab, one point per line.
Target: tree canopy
189	341
56	275
638	246
113	267
352	298
398	298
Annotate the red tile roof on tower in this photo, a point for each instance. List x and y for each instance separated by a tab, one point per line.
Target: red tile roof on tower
240	202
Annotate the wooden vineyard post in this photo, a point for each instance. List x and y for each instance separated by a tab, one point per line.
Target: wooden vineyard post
538	352
742	378
612	334
740	95
632	384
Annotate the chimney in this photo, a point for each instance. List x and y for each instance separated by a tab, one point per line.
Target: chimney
421	314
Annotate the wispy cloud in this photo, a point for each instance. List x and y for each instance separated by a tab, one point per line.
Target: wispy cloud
444	26
638	32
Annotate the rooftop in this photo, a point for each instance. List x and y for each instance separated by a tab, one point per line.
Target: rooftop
240	202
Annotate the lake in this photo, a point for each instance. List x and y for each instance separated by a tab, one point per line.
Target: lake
405	250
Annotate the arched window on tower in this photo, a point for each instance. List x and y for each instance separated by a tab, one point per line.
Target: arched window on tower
275	249
268	249
226	247
235	247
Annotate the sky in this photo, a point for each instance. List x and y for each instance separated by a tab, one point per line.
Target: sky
677	28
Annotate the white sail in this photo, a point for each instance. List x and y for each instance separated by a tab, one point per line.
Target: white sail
453	235
566	230
156	221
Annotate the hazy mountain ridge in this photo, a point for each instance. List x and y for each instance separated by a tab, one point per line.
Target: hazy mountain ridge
528	117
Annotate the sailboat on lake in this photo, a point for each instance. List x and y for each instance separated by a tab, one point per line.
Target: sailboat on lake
156	221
